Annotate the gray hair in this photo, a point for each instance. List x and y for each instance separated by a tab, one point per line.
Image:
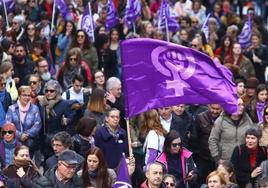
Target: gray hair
55	85
63	137
111	83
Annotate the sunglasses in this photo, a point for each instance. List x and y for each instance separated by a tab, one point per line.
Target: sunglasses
80	36
33	82
30	28
72	59
50	90
176	145
171	184
265	113
7	132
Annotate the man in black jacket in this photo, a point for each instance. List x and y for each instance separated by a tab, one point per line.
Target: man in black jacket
63	175
204	124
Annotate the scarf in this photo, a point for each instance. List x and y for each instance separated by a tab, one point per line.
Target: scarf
23	110
253	157
69	75
259	109
115	133
49	104
25	163
2	110
89	139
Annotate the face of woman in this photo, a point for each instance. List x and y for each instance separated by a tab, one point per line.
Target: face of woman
227	42
169	182
176	145
31	30
25	97
251	141
8	135
80	37
50	93
99	78
69	27
266	115
184	36
114	36
255	41
92	162
73	60
262	96
214	182
149	28
240	88
23	154
224	172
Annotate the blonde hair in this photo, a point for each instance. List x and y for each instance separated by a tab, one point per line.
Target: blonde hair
22	89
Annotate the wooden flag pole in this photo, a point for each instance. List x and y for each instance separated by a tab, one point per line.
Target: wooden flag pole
129	139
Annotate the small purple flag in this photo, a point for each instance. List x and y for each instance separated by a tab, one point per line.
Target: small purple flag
204	27
167	74
244	37
10	5
122	180
112	15
87	23
133	10
64	10
166	18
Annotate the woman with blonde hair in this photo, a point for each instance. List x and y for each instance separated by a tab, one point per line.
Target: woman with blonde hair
155	138
215	180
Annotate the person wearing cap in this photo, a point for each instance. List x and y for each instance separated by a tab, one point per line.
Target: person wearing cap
247	158
251	86
63	174
8	144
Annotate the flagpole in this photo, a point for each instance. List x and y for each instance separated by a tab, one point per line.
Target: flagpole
53	16
129	139
5	9
167	32
91	21
134	28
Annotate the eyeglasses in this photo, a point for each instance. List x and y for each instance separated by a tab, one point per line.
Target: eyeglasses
50	91
171	184
7	132
30	28
70	167
117	117
101	76
80	36
33	82
72	59
194	45
176	144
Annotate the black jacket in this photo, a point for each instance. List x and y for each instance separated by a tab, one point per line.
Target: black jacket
240	160
49	180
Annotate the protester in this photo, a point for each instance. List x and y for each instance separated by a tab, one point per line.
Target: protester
99	80
246	158
178	160
264	128
227	170
5	100
227	132
23	172
63	174
112	138
170	181
8	143
215	180
95	172
26	117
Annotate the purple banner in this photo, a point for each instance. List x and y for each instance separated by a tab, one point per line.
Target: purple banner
87	23
64	10
112	15
244	37
133	10
166	74
10	5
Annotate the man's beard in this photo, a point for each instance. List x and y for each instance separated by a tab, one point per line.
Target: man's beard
19	58
45	76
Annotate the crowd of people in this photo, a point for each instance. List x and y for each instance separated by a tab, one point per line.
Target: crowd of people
62	115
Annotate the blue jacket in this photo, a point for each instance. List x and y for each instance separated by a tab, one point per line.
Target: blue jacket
32	123
111	147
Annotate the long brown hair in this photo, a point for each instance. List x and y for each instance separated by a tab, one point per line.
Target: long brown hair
152	122
97	103
102	179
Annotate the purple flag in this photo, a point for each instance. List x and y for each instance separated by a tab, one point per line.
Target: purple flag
133	10
122	180
204	27
112	15
10	5
167	74
64	10
244	37
87	23
166	18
